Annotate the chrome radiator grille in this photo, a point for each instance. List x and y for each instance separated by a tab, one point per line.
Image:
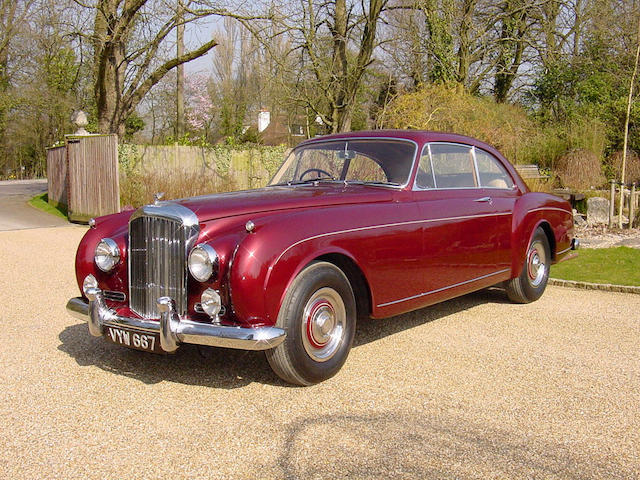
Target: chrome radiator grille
158	248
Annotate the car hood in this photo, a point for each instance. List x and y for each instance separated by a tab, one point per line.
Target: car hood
268	199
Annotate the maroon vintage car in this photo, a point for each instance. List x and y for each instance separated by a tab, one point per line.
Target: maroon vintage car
355	225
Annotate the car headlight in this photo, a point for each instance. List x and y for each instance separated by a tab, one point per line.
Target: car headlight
203	262
107	254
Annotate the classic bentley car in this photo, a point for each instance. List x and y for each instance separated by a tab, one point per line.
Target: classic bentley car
353	226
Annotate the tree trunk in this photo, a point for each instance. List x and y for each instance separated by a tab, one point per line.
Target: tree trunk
109	66
180	77
512	45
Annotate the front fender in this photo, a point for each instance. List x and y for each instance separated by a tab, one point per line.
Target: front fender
268	259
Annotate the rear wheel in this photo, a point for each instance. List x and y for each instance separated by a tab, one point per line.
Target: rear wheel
319	316
531	283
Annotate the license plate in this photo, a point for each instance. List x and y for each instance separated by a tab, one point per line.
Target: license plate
148	342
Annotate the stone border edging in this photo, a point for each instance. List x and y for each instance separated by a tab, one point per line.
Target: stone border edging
595	286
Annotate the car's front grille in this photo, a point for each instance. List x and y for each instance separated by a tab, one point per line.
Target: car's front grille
158	259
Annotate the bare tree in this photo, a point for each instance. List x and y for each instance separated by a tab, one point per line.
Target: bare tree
13	16
331	47
127	37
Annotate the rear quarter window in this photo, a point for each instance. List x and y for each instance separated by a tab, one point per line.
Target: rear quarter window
491	172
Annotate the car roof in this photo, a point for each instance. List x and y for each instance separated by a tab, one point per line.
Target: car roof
418	136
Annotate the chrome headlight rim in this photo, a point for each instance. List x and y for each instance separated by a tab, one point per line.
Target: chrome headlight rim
106	255
203	262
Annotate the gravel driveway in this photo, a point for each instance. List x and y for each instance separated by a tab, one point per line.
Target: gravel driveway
472	388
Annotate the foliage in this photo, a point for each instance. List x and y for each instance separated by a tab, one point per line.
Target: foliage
443	108
41	202
613	167
132	125
139	186
616	266
220	170
580	169
519	136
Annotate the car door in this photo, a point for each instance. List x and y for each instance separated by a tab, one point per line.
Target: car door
466	229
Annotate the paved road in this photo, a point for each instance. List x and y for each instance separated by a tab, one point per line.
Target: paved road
475	388
16	213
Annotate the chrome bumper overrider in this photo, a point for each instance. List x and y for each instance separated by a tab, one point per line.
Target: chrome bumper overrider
172	330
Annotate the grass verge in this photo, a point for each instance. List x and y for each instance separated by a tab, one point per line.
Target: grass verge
41	202
616	266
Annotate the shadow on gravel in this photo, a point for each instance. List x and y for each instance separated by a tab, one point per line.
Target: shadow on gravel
434	444
212	367
229	368
370	330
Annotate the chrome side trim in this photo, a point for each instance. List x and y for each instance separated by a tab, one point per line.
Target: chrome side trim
172	329
564	251
443	288
386	225
541	209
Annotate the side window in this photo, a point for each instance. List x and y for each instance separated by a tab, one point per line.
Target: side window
452	166
491	172
424	177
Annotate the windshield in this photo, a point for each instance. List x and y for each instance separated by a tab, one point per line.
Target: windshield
375	161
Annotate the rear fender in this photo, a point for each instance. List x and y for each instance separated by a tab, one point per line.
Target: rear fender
534	210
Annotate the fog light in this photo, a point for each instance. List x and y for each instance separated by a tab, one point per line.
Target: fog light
89	282
211	303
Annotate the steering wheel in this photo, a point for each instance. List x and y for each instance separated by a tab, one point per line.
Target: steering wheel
319	170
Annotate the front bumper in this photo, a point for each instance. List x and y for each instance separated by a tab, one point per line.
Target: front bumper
171	328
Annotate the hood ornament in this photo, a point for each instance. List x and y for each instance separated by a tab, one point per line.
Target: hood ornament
157	197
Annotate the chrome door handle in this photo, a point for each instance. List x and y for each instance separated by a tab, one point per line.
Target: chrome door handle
484	199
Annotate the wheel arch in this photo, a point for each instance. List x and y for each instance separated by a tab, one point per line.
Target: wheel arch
357	279
523	238
548	231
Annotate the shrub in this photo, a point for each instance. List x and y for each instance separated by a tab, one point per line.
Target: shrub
580	170
441	108
613	167
509	128
137	187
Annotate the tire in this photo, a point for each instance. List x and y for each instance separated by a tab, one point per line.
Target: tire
532	281
319	316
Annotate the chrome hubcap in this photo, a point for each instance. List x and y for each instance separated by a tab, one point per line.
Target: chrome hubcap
323	324
536	264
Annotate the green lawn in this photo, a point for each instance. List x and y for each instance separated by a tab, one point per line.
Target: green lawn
617	266
41	203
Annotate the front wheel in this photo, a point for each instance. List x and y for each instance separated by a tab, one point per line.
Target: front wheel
319	316
531	283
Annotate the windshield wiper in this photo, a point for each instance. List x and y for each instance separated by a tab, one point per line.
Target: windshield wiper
314	180
371	182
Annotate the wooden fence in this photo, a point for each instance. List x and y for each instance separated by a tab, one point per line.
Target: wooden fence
83	176
57	176
630	203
